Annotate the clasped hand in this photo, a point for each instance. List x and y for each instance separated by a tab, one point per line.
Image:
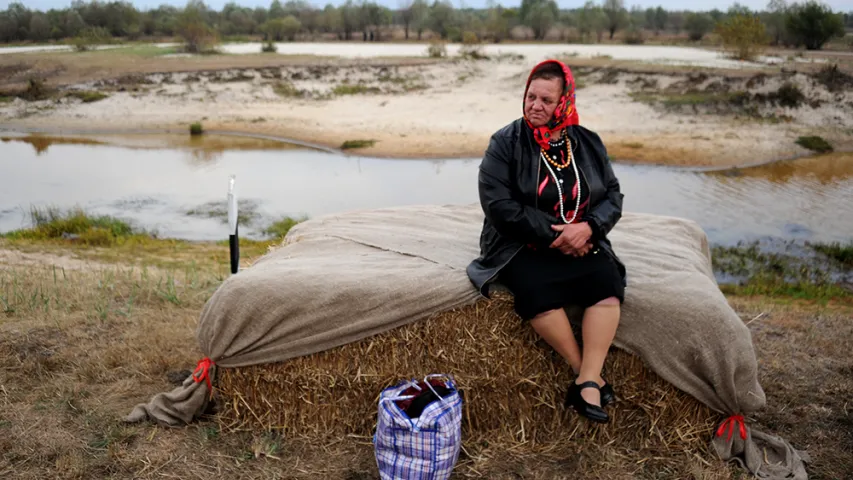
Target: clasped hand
574	239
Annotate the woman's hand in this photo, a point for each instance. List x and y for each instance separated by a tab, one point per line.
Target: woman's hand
576	252
575	236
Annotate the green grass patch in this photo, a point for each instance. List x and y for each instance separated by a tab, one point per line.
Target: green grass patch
145	51
287	90
75	225
4	99
838	252
772	286
353	144
805	277
354	90
88	96
196	129
279	228
815	144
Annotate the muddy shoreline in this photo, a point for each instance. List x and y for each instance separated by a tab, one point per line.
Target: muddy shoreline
442	110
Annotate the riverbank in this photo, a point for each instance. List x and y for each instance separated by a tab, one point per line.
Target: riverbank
90	329
422	108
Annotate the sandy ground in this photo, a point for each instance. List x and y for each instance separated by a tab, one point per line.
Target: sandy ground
450	109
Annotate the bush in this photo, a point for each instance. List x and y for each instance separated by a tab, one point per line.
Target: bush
53	223
269	47
281	29
698	25
471	46
813	24
634	36
196	129
88	96
36	90
279	229
90	37
743	36
834	79
436	49
354	144
815	144
790	95
198	36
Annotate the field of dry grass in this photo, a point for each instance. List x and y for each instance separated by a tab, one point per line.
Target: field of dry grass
81	345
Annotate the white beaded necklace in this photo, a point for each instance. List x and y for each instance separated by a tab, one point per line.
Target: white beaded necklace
557	182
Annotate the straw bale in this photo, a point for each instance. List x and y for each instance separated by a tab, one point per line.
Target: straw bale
513	387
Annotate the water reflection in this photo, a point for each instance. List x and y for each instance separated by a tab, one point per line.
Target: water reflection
203	148
41	143
806	199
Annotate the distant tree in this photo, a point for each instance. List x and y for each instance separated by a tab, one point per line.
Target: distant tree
775	20
406	14
676	21
656	19
698	25
591	18
813	24
192	26
717	15
738	9
420	17
331	21
276	10
637	18
350	19
497	22
743	35
539	15
39	27
8	28
441	18
617	16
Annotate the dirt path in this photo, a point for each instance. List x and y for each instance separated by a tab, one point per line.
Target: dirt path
451	109
15	259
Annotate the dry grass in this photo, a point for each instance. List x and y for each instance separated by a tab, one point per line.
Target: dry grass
79	348
60	69
512	385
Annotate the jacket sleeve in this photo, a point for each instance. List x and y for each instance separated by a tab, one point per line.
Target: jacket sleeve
510	217
604	215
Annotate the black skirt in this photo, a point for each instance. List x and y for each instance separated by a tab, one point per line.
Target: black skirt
543	280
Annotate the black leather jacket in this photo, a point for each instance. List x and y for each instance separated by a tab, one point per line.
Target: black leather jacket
509	175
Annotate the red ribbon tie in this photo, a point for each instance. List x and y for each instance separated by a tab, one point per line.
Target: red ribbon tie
202	372
733	422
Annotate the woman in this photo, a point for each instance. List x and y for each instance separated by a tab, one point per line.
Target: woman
550	197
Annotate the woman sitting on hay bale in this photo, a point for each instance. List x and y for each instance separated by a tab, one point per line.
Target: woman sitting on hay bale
550	198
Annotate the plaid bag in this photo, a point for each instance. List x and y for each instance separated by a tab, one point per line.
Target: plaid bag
419	429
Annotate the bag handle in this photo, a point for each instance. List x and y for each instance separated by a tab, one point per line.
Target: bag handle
426	380
412	383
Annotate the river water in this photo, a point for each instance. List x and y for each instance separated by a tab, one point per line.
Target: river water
156	182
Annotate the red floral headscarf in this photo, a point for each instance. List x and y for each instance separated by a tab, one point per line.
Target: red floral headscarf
564	115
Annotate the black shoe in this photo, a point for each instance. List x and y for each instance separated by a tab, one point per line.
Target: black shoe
607	395
584	408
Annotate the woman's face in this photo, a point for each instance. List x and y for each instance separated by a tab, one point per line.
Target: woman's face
541	101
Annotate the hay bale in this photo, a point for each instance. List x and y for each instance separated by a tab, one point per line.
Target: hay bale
513	387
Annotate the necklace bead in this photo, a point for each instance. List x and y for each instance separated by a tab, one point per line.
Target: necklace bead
558	182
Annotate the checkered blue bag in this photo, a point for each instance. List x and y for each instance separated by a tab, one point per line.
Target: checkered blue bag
425	447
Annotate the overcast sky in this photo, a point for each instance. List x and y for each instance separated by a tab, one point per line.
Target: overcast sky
837	5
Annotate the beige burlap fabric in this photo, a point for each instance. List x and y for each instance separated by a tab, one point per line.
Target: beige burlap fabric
342	278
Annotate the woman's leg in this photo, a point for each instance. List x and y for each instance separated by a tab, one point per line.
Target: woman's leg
599	328
553	326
